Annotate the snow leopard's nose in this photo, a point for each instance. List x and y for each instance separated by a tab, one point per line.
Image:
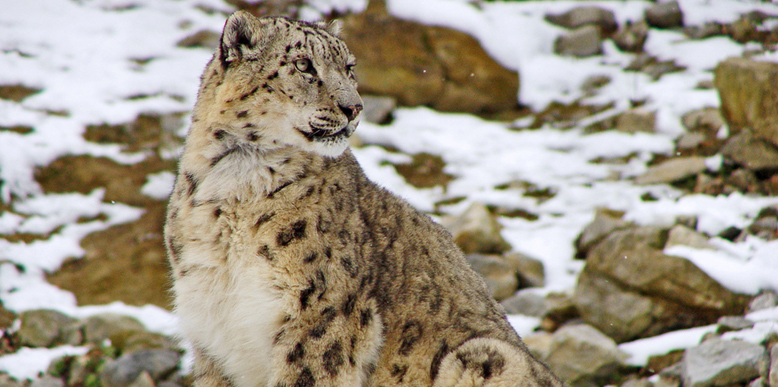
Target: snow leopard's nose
351	111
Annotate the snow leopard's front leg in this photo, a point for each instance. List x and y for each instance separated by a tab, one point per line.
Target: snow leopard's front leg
328	343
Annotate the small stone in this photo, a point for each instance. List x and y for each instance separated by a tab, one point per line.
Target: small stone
530	271
636	120
100	327
500	277
477	231
524	302
539	343
764	300
690	140
581	42
631	37
586	15
125	371
743	179
47	381
733	323
672	170
706	119
594	82
751	152
602	361
43	328
664	15
719	362
681	235
765	227
201	39
659	363
704	31
131	341
639	382
560	308
378	110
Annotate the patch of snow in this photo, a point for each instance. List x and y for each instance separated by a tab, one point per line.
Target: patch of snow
641	350
27	363
159	185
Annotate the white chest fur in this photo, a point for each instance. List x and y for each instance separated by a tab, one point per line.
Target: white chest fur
230	312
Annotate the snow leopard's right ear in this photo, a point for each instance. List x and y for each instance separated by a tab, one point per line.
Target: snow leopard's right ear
240	34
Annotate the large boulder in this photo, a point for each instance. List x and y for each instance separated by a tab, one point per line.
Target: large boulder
601	362
719	362
423	65
748	91
630	289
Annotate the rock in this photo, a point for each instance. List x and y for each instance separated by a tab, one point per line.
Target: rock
640	382
751	152
636	120
7	381
378	110
764	300
605	222
530	271
721	363
765	227
47	381
664	362
44	328
580	42
204	39
664	15
773	378
672	170
630	289
748	91
539	343
131	341
706	119
586	15
500	276
477	231
560	309
126	369
422	65
590	85
704	31
601	362
733	323
527	303
743	180
7	317
104	326
631	37
681	235
143	380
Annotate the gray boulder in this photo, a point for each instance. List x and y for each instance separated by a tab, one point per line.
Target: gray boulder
631	37
100	327
672	170
530	271
667	14
500	277
586	15
45	328
477	231
719	362
123	372
750	151
605	222
602	359
630	289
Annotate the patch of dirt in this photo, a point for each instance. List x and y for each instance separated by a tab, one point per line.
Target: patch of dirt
424	171
17	93
147	133
561	116
16	129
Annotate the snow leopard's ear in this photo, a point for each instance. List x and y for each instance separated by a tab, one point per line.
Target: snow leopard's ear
334	27
240	34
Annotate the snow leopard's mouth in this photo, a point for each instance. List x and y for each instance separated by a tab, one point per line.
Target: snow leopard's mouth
318	134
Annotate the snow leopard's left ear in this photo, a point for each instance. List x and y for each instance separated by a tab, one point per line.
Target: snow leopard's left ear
241	33
334	27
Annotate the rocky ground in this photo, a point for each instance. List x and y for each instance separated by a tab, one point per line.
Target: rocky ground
403	63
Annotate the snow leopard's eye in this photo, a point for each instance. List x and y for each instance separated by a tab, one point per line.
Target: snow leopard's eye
305	66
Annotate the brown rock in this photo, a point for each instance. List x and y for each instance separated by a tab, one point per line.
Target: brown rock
749	96
631	37
585	15
580	42
600	364
664	15
477	231
751	152
500	277
672	170
636	120
630	289
530	271
605	221
421	65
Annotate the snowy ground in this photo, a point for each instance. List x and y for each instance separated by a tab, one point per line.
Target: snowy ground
93	58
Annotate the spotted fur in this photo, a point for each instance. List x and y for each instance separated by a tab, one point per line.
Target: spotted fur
291	268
